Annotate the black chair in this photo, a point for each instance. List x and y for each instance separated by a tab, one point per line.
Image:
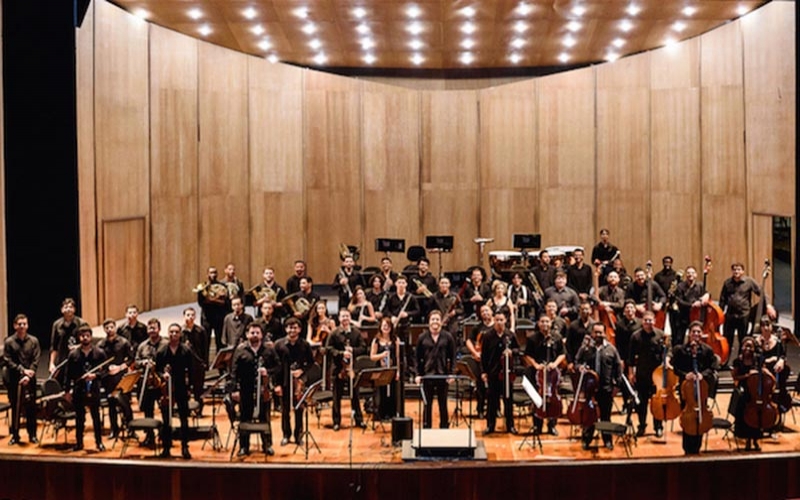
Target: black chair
724	424
56	411
128	432
415	252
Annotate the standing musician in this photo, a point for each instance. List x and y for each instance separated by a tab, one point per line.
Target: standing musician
306	296
63	337
499	302
271	328
174	363
401	307
195	338
295	357
520	296
436	354
689	295
377	296
638	292
424	286
668	279
232	282
475	291
385	350
604	359
361	310
344	346
646	353
269	292
146	361
497	363
133	329
544	272
346	281
612	296
21	359
252	361
293	282
235	324
735	299
389	276
83	386
214	305
603	252
474	346
119	350
683	361
577	332
544	349
627	325
450	305
579	275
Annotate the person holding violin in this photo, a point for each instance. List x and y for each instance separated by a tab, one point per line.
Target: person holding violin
695	361
145	361
497	363
83	386
544	352
599	355
647	350
744	366
690	295
117	347
295	358
253	359
344	345
174	364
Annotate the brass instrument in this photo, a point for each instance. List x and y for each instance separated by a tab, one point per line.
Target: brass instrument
427	293
213	292
261	291
299	304
537	292
343	276
673	287
233	289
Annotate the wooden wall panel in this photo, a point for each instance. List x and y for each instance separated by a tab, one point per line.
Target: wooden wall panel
173	166
623	156
87	208
450	175
4	319
770	97
723	216
223	178
761	249
508	156
675	154
121	128
275	110
391	155
566	137
332	169
125	276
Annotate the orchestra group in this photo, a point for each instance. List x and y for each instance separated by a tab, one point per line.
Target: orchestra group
580	332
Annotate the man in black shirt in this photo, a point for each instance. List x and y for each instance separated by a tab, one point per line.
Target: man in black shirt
449	304
295	358
146	361
174	363
119	349
133	330
436	354
269	292
476	292
689	295
544	272
64	338
544	349
497	363
567	301
647	351
196	339
345	345
293	283
638	292
579	275
668	279
346	281
21	359
736	300
212	297
235	324
604	251
232	282
578	330
83	387
401	307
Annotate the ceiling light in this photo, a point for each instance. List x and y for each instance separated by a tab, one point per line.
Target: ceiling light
414	28
625	25
249	13
257	29
468	11
612	56
574	26
320	58
417	59
689	10
578	10
309	29
633	9
369	58
301	12
264	44
670	42
359	12
204	30
563	57
468	28
679	26
742	9
272	58
618	42
515	58
524	9
315	44
415	44
141	13
520	27
466	58
195	14
367	43
568	41
413	12
363	28
468	43
517	43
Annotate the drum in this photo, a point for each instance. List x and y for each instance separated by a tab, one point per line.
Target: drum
563	253
504	262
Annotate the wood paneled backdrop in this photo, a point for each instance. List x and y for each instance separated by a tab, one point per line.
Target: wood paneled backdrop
226	157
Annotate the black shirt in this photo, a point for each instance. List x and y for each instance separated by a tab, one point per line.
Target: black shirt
20	354
436	357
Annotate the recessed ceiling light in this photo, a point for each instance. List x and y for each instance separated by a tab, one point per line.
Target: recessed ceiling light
204	30
369	58
415	44
257	29
689	10
612	56
618	42
468	43
574	26
467	58
524	9
563	57
515	58
264	45
468	11
670	42
633	9
320	58
625	25
517	43
742	10
414	28
417	59
272	58
413	12
568	41
363	28
309	28
315	44
468	28
301	12
141	13
578	10
679	26
520	27
250	13
359	12
195	14
367	43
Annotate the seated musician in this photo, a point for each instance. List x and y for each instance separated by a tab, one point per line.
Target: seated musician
557	323
544	349
385	351
521	296
774	353
254	362
436	354
145	361
83	386
497	363
744	365
602	357
174	364
638	291
295	358
683	361
117	347
646	354
612	296
21	358
344	345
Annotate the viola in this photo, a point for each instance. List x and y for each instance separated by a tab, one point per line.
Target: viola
759	411
584	410
664	405
696	418
712	318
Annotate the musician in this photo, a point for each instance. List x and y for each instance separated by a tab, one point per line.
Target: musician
689	295
735	299
612	296
577	332
603	252
389	276
520	296
271	327
295	357
646	354
310	297
425	284
232	282
401	307
668	279
499	302
683	361
21	359
174	363
133	329
436	354
83	386
293	283
474	346
235	324
346	281
544	349
627	325
361	310
195	338
476	292
566	298
544	272
344	346
598	355
119	349
213	307
64	337
579	275
252	360
745	365
618	267
557	323
320	325
385	350
377	296
638	292
450	305
497	364
774	356
145	360
269	291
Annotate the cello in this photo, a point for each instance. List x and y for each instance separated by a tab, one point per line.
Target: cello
712	317
548	379
664	405
696	418
604	315
661	314
759	411
584	410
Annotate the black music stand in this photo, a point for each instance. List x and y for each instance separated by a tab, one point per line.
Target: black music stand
463	369
537	400
306	436
212	434
375	378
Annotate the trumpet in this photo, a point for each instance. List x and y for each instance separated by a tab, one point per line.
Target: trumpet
427	293
343	276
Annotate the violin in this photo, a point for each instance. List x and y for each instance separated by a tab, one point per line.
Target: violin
759	411
664	405
712	317
297	386
584	410
696	418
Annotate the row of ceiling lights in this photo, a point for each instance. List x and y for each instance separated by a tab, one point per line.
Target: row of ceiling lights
415	28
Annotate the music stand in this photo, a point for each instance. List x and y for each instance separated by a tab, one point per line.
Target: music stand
375	378
213	432
306	436
530	390
126	385
463	370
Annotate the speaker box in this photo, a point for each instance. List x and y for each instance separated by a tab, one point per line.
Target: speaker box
402	429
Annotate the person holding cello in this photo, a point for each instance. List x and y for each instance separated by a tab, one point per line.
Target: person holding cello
647	351
774	359
695	363
601	358
689	294
745	366
499	347
544	353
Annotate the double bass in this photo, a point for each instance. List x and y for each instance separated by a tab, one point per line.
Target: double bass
759	411
696	418
584	410
660	315
664	405
548	380
712	317
605	316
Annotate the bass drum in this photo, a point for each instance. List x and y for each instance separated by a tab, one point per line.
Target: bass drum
504	263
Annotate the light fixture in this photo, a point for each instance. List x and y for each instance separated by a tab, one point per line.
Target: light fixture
413	12
563	57
272	58
416	44
309	28
369	58
204	30
249	13
468	11
359	12
367	43
689	11
320	58
467	58
633	9
520	27
568	41
315	44
264	44
195	14
515	58
679	26
362	28
670	42
141	13
618	42
578	10
414	28
626	25
742	9
417	59
301	12
524	9
468	28
257	30
468	43
612	56
517	43
574	26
